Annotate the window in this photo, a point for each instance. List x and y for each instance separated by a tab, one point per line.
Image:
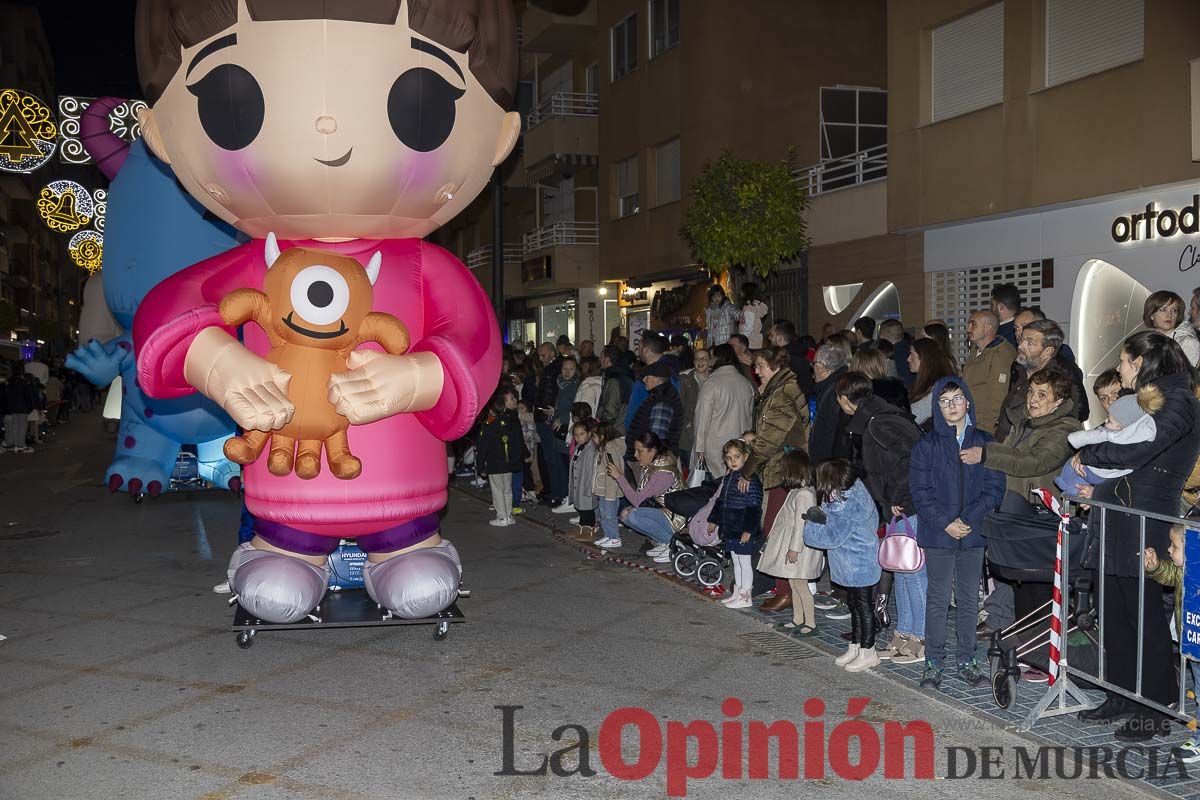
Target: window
627	187
1086	36
852	119
624	47
666	172
955	294
664	26
968	63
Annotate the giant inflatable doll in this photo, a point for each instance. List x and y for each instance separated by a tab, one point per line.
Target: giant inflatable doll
153	229
349	130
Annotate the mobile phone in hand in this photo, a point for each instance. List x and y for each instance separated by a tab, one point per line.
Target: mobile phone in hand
610	459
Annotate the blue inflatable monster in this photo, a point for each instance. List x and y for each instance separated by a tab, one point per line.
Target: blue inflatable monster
152	230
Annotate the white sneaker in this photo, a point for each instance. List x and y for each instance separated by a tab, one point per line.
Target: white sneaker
729	598
609	544
501	522
565	508
741	601
663	558
599	540
222	588
573	521
657	550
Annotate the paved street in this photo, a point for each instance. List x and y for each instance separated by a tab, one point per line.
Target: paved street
120	678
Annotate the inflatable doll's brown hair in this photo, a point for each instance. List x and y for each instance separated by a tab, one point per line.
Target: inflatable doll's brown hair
484	29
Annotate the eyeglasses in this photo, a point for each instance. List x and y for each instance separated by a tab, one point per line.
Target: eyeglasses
956	400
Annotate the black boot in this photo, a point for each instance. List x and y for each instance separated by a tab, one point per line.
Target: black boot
1115	707
1143	726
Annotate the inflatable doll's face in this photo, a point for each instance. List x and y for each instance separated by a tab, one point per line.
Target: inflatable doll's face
329	129
318	299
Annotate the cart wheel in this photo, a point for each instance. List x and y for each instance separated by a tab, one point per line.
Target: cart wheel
245	639
709	573
685	563
996	666
1004	689
441	631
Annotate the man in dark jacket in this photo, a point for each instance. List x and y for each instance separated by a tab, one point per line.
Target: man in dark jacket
547	398
1038	349
827	427
661	412
616	389
19	401
783	334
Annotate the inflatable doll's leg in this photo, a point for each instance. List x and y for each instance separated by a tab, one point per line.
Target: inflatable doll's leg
308	458
275	587
215	467
417	582
144	459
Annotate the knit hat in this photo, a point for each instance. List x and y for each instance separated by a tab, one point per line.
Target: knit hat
1126	410
658	369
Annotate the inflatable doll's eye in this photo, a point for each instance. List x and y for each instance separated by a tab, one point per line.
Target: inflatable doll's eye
421	109
231	107
320	295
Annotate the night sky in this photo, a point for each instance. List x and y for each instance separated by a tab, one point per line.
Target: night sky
92	44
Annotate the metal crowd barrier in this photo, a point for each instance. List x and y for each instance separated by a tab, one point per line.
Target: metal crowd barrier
1064	696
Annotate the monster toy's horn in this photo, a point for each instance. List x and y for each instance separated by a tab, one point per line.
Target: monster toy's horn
272	250
373	267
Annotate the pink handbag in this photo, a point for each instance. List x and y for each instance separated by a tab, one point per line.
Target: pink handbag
899	551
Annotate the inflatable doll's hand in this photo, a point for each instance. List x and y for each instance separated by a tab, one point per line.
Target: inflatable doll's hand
98	364
252	390
378	385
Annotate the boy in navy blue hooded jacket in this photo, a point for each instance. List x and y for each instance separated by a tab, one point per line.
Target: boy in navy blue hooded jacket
952	499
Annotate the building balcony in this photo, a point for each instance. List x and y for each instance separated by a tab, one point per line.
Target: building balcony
562	136
865	166
545	32
482	256
564	254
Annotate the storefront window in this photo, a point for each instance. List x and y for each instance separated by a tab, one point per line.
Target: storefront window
522	331
558	319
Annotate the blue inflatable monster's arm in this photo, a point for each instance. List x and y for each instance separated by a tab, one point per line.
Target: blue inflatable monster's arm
101	363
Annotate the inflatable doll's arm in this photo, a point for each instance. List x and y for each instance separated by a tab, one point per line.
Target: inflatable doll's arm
461	331
385	329
245	305
179	308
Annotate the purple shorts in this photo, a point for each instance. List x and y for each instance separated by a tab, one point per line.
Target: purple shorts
406	534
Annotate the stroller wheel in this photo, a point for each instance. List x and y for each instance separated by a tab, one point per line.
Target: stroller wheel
685	563
1004	689
709	573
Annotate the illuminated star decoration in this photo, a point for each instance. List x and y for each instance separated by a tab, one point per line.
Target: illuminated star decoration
28	134
65	206
87	250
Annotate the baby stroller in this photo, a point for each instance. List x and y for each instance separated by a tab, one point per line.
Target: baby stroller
695	553
1022	540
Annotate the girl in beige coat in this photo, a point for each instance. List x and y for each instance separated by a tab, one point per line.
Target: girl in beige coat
785	555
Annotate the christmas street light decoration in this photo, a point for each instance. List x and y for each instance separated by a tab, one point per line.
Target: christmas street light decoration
28	133
87	250
100	201
65	206
122	122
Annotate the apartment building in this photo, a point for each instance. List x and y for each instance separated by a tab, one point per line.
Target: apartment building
1050	143
626	103
39	286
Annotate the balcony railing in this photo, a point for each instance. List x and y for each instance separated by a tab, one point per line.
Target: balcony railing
565	104
562	233
482	256
865	166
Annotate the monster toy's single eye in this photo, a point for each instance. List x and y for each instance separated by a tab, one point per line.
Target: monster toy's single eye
421	110
320	294
230	105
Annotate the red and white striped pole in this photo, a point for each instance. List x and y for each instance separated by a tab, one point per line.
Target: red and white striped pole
1057	596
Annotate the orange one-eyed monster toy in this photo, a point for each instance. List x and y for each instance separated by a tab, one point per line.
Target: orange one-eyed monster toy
315	309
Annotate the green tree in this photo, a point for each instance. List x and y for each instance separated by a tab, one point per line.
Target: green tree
745	213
